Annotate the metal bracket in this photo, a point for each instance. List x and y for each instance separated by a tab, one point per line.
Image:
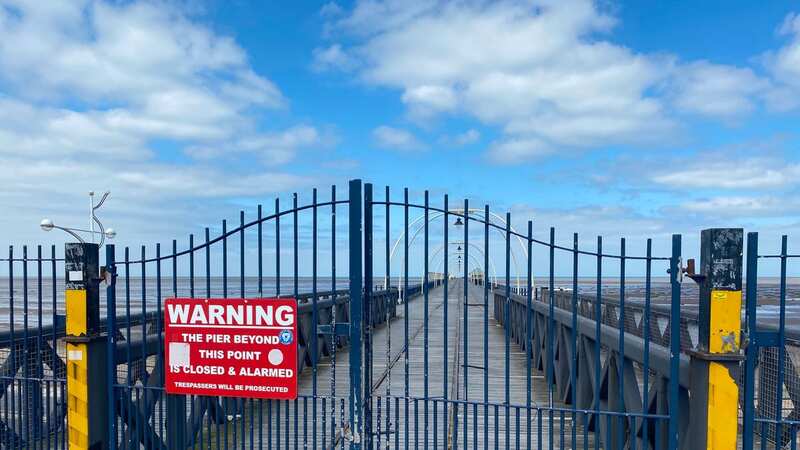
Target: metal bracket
688	270
765	339
718	357
342	329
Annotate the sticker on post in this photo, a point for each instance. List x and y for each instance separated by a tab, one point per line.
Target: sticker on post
231	347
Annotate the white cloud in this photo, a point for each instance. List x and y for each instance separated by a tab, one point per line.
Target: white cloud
91	91
467	137
746	173
509	151
332	58
717	90
330	9
541	76
470	136
396	139
786	62
106	52
426	101
590	221
542	72
140	70
743	206
784	65
271	148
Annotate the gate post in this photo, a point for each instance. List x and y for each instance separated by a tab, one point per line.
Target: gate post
87	401
367	317
715	363
356	405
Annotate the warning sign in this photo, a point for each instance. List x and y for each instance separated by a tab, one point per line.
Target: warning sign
231	347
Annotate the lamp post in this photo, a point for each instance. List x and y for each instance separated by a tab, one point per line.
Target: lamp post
88	350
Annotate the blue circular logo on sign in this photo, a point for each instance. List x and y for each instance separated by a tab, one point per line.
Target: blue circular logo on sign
286	337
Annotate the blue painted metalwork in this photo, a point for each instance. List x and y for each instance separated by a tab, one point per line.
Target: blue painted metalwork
356	406
605	367
674	340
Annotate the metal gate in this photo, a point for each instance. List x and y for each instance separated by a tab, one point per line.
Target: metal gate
421	326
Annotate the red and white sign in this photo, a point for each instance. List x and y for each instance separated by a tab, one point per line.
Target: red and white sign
231	347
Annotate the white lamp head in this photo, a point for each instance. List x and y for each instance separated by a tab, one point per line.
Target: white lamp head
46	225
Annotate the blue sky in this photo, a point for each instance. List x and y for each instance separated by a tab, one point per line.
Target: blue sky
636	119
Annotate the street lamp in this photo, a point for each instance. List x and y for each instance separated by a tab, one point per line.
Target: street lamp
110	233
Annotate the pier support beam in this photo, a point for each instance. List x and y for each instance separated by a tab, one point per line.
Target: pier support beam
87	394
715	362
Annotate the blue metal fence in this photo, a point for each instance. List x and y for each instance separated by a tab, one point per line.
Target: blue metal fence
429	359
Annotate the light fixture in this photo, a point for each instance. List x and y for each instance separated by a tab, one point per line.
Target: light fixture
46	225
110	233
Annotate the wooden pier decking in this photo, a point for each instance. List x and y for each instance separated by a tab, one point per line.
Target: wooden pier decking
411	420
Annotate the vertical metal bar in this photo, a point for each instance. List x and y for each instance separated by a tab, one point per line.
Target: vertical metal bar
260	294
314	319
574	340
466	321
129	381
159	354
646	333
9	438
445	314
54	296
752	350
242	402
507	328
143	274
224	259
397	418
674	342
425	312
598	319
551	333
335	307
496	428
191	263
781	346
215	400
59	382
277	247
475	426
111	326
225	401
295	292
389	313
355	308
260	218
43	385
367	315
47	407
528	333
175	294
25	391
486	219
621	360
416	424
277	425
406	348
13	351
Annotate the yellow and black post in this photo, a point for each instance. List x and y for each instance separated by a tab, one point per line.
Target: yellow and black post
87	395
715	362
